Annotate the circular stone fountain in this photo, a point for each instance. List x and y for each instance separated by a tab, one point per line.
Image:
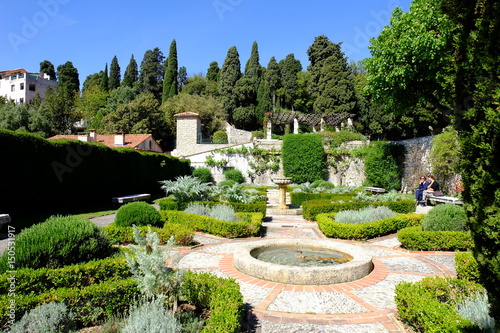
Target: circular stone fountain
359	265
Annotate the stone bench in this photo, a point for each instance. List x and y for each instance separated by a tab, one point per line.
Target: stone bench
444	199
131	198
375	190
4	218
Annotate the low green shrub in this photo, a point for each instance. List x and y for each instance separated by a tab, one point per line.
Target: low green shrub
183	235
139	213
312	208
168	204
429	305
29	280
151	316
227	183
49	317
414	238
257	135
240	207
445	217
95	302
476	309
250	225
221	296
219	137
219	212
57	242
333	229
297	198
364	215
204	175
234	175
467	267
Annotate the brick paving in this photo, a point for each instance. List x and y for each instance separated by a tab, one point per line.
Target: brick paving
365	305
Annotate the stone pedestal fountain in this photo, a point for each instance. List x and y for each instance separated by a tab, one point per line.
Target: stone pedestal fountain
283	183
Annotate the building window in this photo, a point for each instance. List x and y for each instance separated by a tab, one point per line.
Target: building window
32	87
12	88
21	86
21	100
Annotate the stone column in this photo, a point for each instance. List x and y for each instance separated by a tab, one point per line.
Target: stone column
322	125
282	202
295	126
269	130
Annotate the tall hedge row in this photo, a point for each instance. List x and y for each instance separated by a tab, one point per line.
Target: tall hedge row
304	157
384	165
38	174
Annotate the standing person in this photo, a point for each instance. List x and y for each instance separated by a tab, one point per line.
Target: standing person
422	186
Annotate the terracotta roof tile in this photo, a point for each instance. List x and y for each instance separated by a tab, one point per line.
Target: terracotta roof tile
187	114
131	140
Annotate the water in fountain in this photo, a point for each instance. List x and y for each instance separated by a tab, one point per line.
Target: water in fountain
302	256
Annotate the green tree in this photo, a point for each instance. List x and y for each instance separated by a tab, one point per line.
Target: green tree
104	83
213	71
264	102
289	68
14	117
273	78
91	101
47	67
182	77
303	100
60	107
114	74
131	75
444	158
92	80
170	83
253	69
151	74
68	77
321	49
229	75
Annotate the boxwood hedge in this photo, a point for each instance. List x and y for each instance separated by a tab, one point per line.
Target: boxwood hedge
297	198
413	238
183	235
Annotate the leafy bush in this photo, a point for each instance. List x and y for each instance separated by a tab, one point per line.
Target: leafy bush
445	217
51	318
363	215
238	193
219	212
389	196
57	242
335	139
304	158
240	207
234	175
383	165
168	204
227	183
204	175
183	235
219	137
250	225
297	198
331	228
187	189
258	135
476	309
221	296
138	213
444	157
415	239
150	316
429	305
467	267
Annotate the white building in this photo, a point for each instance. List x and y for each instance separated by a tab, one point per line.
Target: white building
21	86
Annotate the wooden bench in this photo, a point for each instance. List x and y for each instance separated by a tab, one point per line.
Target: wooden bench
444	199
375	190
131	198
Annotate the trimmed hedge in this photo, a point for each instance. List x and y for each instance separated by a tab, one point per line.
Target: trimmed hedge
221	296
240	207
40	280
73	174
303	157
297	198
429	305
362	231
250	226
414	238
168	204
57	242
467	267
91	305
183	235
312	208
139	213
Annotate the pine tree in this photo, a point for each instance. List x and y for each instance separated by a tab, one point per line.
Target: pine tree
170	84
114	74
104	79
229	75
289	69
273	78
213	71
151	74
131	73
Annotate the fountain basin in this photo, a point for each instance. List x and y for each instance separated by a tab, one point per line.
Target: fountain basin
355	269
282	180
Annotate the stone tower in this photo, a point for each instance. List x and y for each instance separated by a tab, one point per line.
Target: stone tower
188	129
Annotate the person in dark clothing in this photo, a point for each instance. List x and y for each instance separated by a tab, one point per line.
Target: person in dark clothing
422	186
433	185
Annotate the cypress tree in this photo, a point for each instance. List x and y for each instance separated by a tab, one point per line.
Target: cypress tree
318	52
114	74
272	77
170	84
264	101
151	74
253	69
104	79
229	75
68	77
289	69
213	71
47	67
131	73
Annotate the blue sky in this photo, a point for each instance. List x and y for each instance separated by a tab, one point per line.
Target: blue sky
89	33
